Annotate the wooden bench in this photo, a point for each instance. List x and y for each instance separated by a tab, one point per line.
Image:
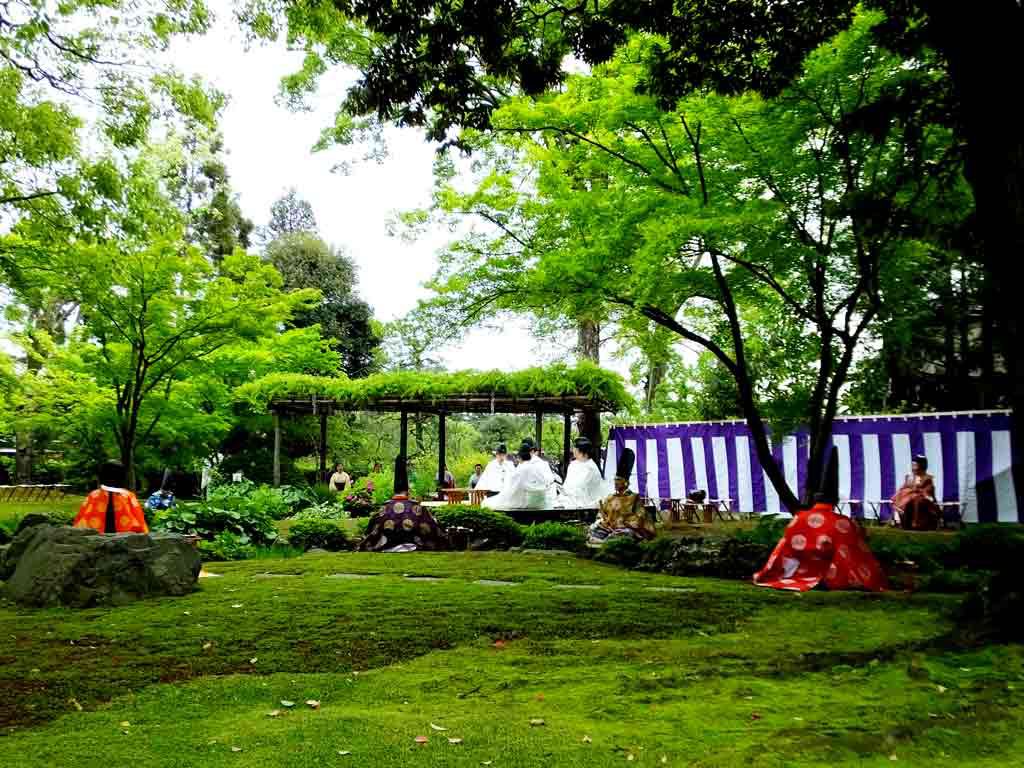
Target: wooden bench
952	513
37	493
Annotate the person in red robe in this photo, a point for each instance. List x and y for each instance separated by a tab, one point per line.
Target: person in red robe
111	508
914	502
821	546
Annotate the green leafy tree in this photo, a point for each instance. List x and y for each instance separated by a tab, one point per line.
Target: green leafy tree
443	65
306	261
709	220
290	215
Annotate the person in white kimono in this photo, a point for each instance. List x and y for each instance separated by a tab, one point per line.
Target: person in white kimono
584	488
529	487
535	455
495	476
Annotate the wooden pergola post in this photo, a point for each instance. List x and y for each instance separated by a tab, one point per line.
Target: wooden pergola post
403	435
277	448
566	443
441	439
323	447
540	431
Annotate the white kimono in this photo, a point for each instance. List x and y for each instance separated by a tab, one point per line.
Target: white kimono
495	476
584	488
531	486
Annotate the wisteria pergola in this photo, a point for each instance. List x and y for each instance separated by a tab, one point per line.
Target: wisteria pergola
554	390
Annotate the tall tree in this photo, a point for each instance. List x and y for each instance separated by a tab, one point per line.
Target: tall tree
440	65
290	215
306	261
741	212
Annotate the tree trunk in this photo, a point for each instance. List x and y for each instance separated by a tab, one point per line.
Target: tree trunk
588	347
979	47
655	377
951	375
23	456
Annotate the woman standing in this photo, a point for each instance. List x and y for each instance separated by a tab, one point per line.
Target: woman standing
915	501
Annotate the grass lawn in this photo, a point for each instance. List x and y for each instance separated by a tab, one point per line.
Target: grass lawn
15	510
723	674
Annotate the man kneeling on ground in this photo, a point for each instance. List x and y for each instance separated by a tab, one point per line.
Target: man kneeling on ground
622	513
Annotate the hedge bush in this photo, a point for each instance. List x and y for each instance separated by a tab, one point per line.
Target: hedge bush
226	546
206	521
325	534
496	528
554	535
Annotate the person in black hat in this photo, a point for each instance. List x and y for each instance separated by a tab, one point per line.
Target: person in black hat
914	503
822	547
584	488
495	476
622	513
402	525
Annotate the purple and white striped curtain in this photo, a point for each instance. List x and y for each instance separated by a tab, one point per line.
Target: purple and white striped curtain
969	454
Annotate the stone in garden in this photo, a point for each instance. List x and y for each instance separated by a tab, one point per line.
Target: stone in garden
79	567
30	520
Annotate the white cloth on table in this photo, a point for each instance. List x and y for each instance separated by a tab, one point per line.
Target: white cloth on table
583	487
495	476
531	486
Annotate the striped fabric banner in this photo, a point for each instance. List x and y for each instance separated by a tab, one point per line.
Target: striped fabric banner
969	455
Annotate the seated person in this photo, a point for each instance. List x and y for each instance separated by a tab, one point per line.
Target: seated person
820	546
914	503
163	498
111	508
530	486
622	513
584	486
478	470
495	477
402	525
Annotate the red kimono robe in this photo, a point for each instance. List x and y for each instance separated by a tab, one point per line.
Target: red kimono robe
128	515
822	546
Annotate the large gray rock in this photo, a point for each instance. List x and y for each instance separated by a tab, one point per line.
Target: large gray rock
59	565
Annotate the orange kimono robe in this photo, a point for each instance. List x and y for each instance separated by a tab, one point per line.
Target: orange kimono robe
128	515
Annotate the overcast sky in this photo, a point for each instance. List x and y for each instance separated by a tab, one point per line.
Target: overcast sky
269	150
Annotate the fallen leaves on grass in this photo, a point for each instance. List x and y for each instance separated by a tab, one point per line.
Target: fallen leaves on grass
344	752
287	704
755	715
274	713
313	704
76	705
454	741
236	749
537	721
421	740
438	727
586	739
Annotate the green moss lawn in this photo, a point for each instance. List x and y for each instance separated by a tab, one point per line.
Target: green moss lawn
644	669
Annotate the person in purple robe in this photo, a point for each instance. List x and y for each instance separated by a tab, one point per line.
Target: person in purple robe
402	525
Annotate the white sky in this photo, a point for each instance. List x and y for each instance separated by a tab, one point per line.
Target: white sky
269	150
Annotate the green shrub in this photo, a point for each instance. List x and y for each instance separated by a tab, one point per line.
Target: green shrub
553	535
497	528
362	523
621	550
359	503
989	546
227	546
329	511
206	520
768	531
325	534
